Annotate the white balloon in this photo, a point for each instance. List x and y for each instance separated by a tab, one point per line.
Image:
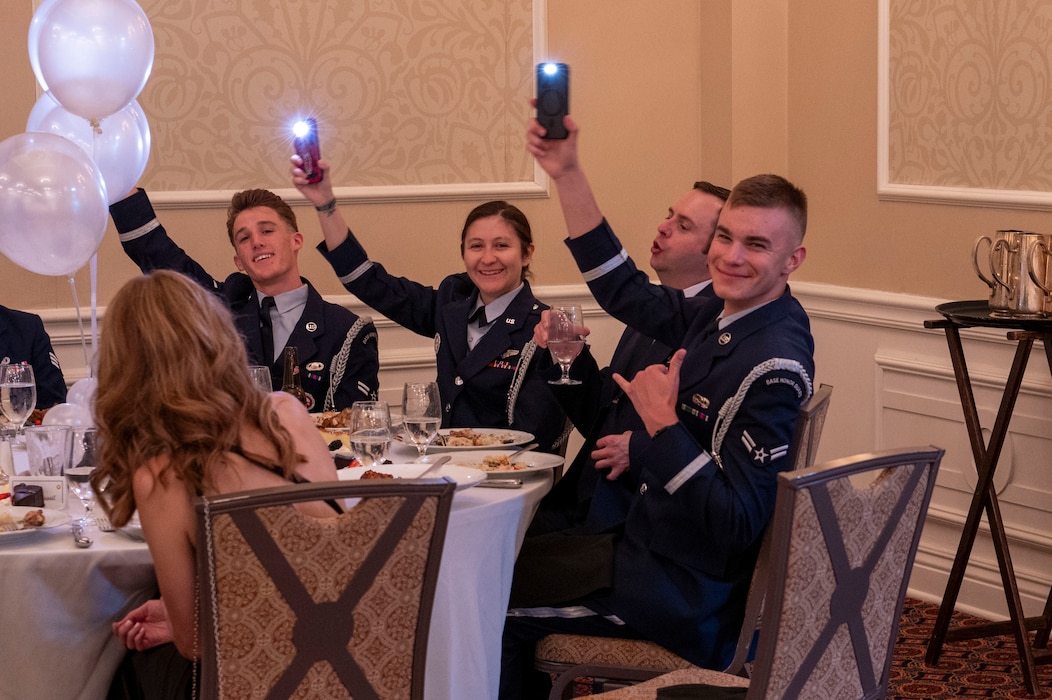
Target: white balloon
94	55
120	147
68	414
53	209
35	27
82	393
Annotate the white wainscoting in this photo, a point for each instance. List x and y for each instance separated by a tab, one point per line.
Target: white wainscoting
893	387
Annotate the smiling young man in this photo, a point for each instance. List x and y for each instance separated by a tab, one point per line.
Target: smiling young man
717	423
273	306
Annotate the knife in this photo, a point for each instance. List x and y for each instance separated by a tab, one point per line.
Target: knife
501	483
437	463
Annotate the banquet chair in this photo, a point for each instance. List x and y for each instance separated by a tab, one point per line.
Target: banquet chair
844	539
632	660
292	606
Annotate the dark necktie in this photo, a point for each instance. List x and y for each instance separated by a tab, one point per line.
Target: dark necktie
266	329
479	315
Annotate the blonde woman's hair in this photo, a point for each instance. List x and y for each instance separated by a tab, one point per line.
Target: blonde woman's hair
173	383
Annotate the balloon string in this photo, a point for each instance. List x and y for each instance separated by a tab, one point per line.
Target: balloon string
94	268
80	320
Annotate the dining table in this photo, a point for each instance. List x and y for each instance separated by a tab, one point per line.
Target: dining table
59	601
486	528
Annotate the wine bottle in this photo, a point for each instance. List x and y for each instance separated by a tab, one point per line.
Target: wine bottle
291	380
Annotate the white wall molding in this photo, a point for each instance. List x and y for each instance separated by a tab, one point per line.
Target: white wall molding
893	386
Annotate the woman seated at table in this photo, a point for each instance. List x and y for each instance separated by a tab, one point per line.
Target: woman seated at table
178	417
482	319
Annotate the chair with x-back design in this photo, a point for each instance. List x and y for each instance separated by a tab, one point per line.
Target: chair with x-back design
628	660
293	606
844	539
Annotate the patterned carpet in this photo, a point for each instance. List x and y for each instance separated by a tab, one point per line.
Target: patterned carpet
974	668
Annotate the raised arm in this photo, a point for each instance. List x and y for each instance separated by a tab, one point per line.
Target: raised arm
333	225
559	159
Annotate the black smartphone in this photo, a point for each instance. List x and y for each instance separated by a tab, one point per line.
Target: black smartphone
305	139
553	98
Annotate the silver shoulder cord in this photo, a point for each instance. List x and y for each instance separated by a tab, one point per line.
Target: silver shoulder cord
338	366
525	357
730	409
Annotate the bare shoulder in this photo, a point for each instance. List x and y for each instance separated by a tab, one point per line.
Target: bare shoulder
288	408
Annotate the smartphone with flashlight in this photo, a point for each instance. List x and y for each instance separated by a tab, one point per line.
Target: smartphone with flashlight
553	98
305	139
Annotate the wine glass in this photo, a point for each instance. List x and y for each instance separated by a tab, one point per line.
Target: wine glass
79	480
18	393
421	414
261	377
564	339
370	431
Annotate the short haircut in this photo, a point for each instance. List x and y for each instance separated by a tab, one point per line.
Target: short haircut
250	199
771	192
715	190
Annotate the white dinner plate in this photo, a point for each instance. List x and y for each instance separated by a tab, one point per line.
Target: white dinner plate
528	462
506	438
464	476
52	517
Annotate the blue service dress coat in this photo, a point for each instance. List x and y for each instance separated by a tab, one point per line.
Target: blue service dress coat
335	348
23	339
495	385
598	407
705	487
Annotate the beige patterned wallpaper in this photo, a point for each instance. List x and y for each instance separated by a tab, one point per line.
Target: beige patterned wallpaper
406	92
970	93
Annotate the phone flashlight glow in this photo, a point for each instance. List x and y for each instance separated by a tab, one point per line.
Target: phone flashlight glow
301	128
550	68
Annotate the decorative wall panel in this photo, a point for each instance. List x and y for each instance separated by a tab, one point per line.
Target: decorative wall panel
425	96
966	100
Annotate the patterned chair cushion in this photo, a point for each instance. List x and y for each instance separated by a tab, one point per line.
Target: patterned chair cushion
575	649
647	690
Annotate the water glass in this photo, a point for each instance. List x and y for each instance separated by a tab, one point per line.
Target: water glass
370	431
49	448
421	414
18	392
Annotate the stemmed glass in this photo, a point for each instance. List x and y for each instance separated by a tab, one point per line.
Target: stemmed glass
370	431
564	339
261	377
421	414
79	480
18	393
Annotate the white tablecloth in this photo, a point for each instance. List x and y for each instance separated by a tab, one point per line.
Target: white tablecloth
57	604
58	601
486	527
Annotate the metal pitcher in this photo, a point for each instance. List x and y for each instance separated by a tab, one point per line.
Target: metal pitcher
998	256
1025	298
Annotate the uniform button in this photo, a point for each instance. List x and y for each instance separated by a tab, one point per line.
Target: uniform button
458	381
448	408
642	488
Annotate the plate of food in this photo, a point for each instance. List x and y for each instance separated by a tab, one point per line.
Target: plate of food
459	439
332	420
336	439
464	476
19	521
496	462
